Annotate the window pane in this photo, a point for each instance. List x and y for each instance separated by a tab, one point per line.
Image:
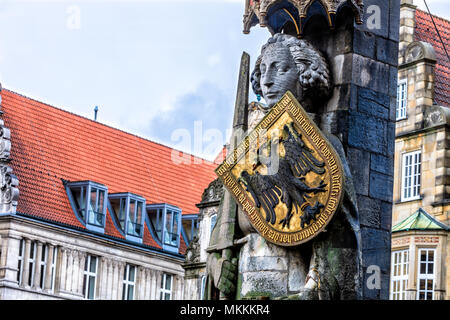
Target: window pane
130	292
430	268
423	268
168	282
101	200
431	255
93	266
131	274
429	295
139	212
91	288
93	199
123	204
132	210
422	284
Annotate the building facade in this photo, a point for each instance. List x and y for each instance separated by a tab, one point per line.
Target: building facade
89	211
420	232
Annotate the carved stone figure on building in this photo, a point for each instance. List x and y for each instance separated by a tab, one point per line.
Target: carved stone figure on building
241	263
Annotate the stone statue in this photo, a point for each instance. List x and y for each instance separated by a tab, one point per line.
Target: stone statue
241	263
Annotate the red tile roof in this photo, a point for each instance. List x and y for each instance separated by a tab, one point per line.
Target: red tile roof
50	144
425	31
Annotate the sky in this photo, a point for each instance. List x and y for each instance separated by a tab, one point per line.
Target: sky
165	70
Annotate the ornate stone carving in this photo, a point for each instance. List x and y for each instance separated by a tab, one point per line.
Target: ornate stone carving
420	50
5	143
9	191
193	251
256	11
213	193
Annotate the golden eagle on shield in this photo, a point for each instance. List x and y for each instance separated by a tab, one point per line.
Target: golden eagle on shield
285	180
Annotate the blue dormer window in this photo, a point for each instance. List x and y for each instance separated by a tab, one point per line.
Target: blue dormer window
128	210
190	227
88	200
166	222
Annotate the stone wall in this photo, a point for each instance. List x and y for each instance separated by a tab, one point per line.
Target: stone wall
361	112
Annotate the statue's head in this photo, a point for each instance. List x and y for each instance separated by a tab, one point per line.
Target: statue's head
287	63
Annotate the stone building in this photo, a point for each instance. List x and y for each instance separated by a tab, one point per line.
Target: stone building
420	232
101	213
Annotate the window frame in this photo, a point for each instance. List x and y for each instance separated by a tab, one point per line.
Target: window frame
162	290
129	220
87	275
91	215
408	186
399	277
126	282
32	262
402	100
426	276
20	261
43	266
159	222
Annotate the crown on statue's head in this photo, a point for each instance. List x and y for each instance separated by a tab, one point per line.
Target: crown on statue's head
278	15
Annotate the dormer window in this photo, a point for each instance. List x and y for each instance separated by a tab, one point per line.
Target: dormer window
166	221
88	200
128	209
190	227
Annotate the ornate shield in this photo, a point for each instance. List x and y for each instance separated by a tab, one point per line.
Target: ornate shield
285	175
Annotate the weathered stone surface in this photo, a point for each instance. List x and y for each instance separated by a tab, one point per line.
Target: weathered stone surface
373	239
382	164
360	169
373	103
264	283
387	51
369	73
381	186
367	133
364	43
370	210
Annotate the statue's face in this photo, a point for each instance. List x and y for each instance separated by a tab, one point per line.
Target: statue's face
279	74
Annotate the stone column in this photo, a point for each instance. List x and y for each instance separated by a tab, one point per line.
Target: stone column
103	278
121	266
70	270
81	263
8	263
109	281
26	263
63	269
48	269
412	272
154	287
158	285
140	283
37	267
115	280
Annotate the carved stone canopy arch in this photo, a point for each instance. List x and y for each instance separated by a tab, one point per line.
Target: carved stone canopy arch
419	50
275	13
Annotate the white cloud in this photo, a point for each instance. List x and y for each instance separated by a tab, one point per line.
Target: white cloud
214	60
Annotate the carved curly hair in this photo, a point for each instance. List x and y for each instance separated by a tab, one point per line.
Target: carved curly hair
314	74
